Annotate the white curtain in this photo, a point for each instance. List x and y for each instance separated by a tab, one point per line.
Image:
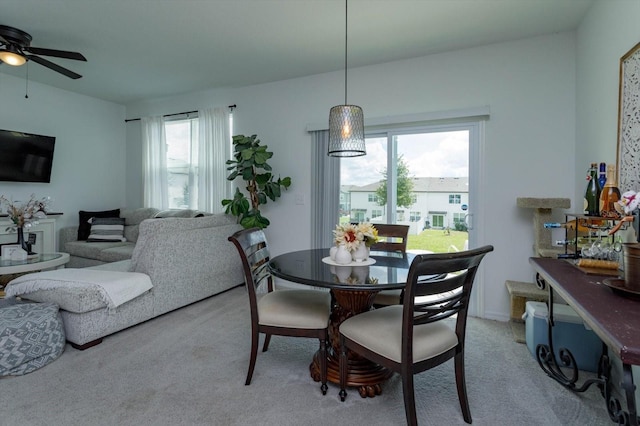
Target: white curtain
325	200
214	149
154	163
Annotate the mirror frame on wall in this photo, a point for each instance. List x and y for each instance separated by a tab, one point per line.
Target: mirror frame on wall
628	150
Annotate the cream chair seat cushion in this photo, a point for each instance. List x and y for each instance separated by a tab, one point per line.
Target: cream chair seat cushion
295	308
380	331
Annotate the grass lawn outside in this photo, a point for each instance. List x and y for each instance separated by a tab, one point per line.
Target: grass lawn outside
438	241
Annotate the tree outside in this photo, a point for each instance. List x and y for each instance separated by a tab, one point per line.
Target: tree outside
404	186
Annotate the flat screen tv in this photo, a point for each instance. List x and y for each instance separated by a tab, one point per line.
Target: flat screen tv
25	157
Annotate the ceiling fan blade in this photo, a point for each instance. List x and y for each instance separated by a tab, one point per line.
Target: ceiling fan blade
54	67
57	53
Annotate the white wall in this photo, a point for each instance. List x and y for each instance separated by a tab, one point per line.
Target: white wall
609	30
528	84
89	157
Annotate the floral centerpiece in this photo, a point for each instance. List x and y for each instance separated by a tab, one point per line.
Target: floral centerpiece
25	215
355	240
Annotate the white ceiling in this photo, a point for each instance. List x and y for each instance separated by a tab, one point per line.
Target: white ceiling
144	49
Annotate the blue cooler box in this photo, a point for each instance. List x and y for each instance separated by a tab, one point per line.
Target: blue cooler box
569	331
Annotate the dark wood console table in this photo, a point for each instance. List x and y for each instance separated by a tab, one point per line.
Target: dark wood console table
615	320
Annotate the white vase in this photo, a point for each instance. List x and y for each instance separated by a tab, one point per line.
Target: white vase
343	273
343	256
361	253
332	252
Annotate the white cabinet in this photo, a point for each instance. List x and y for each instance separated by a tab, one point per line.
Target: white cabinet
45	230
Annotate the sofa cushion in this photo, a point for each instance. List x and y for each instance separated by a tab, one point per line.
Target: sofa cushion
84	227
116	254
72	299
133	218
108	229
180	213
91	250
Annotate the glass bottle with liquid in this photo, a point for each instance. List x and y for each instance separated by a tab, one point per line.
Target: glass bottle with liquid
592	193
610	194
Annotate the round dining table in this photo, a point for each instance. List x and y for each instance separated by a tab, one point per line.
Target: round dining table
353	288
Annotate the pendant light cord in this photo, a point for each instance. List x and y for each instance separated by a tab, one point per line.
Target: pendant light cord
346	32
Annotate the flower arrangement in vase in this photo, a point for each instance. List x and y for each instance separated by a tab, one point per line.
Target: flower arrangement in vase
25	215
352	242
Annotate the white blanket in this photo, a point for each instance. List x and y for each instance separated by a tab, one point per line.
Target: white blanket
115	287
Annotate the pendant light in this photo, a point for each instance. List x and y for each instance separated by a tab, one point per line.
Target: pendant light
346	122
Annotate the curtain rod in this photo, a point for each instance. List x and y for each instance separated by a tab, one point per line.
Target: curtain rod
231	107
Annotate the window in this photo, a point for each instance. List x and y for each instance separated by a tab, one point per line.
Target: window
458	217
414	216
454	199
372	198
400	215
438	221
182	162
414	199
376	213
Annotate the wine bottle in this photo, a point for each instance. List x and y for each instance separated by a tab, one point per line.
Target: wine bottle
609	195
602	177
592	193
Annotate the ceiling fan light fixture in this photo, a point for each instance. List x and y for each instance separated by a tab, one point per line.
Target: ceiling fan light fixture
346	122
11	56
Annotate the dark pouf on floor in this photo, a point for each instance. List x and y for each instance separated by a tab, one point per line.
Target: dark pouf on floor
31	336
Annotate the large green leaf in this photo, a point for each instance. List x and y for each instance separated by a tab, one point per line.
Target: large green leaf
263	178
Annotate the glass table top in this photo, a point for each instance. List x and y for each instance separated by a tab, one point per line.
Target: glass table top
390	270
45	257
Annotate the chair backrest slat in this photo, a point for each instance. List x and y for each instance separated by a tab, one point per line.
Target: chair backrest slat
254	252
427	300
393	237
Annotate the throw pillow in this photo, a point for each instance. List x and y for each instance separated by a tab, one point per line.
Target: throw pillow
107	229
84	227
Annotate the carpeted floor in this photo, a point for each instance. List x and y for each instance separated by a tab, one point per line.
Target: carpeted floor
188	368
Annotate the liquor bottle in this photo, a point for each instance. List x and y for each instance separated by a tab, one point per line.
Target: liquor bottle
609	195
602	177
592	193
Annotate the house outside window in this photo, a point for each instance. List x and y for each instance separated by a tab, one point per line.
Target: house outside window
372	198
414	216
454	199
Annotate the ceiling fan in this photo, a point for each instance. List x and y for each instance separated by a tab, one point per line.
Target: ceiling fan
15	50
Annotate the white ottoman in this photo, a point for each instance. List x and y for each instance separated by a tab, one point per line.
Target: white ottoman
31	336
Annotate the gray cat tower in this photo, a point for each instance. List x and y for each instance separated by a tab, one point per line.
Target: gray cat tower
521	292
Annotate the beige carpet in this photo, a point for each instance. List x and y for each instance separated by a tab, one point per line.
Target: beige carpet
188	368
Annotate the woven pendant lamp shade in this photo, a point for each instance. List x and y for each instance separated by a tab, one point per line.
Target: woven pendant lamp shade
346	131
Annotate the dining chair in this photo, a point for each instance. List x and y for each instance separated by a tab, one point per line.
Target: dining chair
295	313
412	337
394	239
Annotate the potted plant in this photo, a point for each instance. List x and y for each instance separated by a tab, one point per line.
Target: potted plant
250	163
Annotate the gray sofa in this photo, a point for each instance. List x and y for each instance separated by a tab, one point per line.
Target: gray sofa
187	260
83	254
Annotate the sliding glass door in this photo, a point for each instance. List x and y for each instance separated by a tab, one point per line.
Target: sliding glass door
417	177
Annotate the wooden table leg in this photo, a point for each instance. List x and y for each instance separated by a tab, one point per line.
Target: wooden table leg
367	376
